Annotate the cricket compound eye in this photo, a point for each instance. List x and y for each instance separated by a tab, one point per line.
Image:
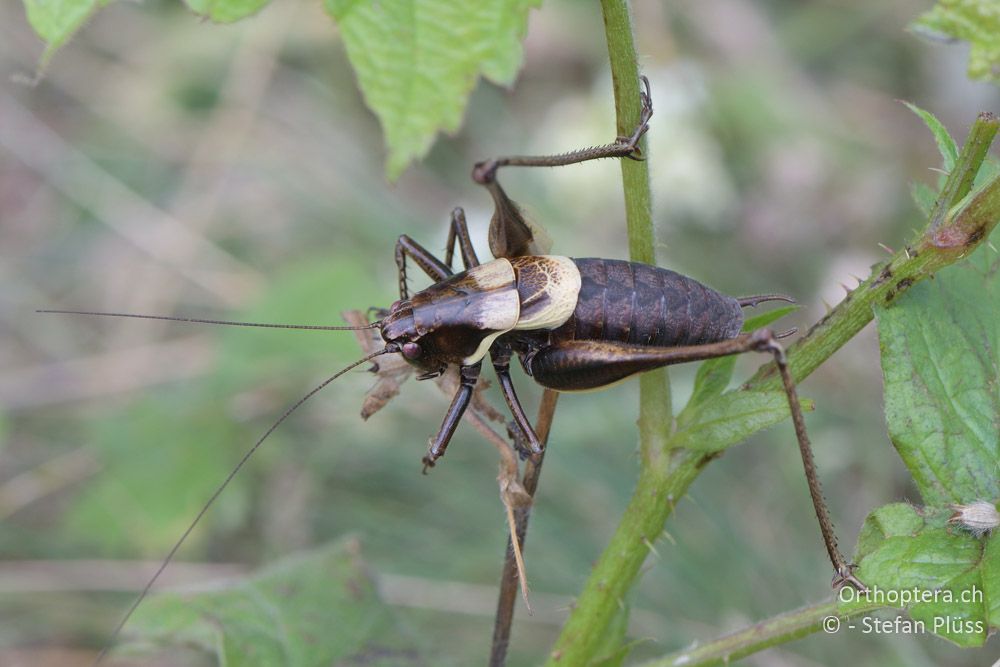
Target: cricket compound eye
412	351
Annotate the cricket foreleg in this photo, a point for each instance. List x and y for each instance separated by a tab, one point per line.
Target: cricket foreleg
500	356
468	376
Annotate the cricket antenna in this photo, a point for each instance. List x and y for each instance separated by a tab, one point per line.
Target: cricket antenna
390	348
264	325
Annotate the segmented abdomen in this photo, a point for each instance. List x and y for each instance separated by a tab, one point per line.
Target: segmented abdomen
646	305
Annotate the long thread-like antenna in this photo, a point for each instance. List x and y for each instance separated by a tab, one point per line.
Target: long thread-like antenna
389	349
265	325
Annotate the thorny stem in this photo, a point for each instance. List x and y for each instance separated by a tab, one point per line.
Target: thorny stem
587	625
508	576
664	479
947	238
654	391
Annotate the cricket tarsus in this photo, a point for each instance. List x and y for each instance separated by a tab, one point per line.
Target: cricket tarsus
389	349
484	172
265	325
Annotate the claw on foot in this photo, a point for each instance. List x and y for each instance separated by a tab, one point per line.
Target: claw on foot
632	142
844	576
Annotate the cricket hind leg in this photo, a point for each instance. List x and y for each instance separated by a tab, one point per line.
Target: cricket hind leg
580	365
843	571
512	236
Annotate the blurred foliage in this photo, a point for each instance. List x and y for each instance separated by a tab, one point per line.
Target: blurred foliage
974	21
416	61
226	11
779	161
316	608
56	21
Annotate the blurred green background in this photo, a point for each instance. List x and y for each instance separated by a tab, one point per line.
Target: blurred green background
167	165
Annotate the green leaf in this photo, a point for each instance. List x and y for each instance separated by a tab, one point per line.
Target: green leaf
887	521
55	21
940	358
974	21
947	579
318	608
924	196
940	343
226	11
714	374
729	419
417	61
712	420
946	145
711	380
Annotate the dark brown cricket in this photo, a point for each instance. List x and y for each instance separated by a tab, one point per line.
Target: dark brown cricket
575	324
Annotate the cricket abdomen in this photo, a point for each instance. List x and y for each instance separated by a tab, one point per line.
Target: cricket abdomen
634	303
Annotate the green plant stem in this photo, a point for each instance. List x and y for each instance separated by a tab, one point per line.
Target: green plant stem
759	636
946	238
664	479
635	173
654	389
652	502
652	499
